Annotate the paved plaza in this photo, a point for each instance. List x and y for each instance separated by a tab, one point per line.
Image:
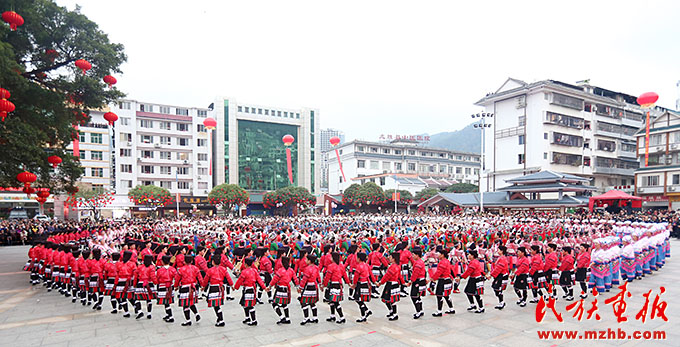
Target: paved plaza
30	316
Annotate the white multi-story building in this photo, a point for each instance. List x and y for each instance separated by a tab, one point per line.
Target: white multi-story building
550	125
327	152
162	145
387	163
249	149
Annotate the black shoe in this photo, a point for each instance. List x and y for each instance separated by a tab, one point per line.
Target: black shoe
229	298
170	320
330	319
369	313
140	315
285	321
252	323
280	321
418	315
74	300
198	318
148	316
341	321
260	302
472	308
304	322
314	320
219	324
127	315
114	311
361	320
186	324
436	314
479	310
395	317
246	321
451	311
500	306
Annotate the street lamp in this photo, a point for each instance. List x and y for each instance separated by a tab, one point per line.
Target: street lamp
482	126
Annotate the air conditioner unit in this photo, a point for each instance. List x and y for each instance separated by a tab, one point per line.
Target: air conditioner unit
129	144
659	148
671	188
199	177
674	146
186	162
640	190
205	191
157	145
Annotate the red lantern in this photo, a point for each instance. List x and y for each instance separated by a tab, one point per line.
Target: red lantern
83	65
110	80
29	190
41	200
43	193
4	93
210	123
13	19
26	178
110	117
51	54
647	99
288	140
54	160
5	107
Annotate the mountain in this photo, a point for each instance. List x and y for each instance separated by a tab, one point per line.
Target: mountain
467	139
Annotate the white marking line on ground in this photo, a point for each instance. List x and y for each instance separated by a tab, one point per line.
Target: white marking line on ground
16	299
46	320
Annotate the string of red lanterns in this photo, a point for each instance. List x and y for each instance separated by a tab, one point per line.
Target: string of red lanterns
6	106
287	141
54	160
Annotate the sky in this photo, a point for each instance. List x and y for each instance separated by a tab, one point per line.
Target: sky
385	67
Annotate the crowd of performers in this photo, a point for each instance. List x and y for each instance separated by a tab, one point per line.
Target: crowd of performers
139	265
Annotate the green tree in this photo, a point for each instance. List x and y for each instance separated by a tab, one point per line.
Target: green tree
91	199
364	196
405	197
283	200
50	94
151	196
426	194
228	195
462	188
350	193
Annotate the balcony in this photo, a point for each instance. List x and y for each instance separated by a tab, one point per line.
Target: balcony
650	190
613	166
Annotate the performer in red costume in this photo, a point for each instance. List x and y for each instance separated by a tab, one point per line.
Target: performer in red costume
188	277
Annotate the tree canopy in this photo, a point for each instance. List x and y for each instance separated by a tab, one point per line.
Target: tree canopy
405	197
228	195
50	93
152	196
367	194
462	188
426	194
91	199
286	198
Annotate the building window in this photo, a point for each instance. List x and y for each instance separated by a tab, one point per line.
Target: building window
127	183
147	139
397	166
467	170
124	121
521	139
81	137
240	109
411	152
126	168
182	156
183	141
165	126
567	140
147	169
361	164
165	140
521	121
200	128
545	136
202	156
182	185
164	109
297	115
566	159
567	101
124	105
181	111
182	170
374	165
564	120
166	184
204	185
442	168
82	154
202	171
278	113
411	167
201	142
96	138
165	170
586	161
650	181
607	146
374	149
386	151
459	170
476	172
126	137
360	148
382	181
520	159
96	155
676	179
202	113
146	108
657	139
545	155
397	151
147	154
125	152
182	127
386	165
145	123
166	155
97	172
146	183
